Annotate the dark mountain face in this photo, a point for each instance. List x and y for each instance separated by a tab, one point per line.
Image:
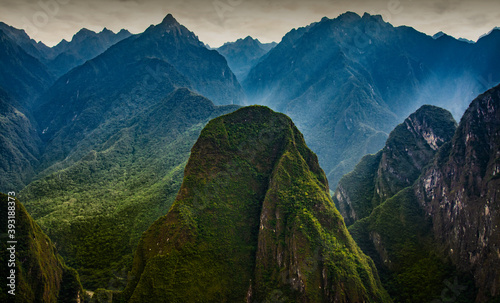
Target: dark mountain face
411	146
41	275
243	54
132	75
348	81
20	145
252	221
97	203
36	49
460	193
444	225
66	55
84	46
22	76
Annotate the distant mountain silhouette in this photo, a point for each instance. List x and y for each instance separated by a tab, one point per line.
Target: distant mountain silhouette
243	54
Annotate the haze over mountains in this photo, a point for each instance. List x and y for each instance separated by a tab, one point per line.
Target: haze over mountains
243	54
97	132
348	81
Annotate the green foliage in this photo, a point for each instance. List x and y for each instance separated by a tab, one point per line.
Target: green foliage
358	186
41	274
213	244
410	147
399	238
96	209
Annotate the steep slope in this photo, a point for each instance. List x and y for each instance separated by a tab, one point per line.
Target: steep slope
41	275
132	75
253	220
243	54
84	46
357	77
445	224
97	208
460	193
411	146
20	146
22	76
36	49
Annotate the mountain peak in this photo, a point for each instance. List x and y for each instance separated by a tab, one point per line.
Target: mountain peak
169	20
367	16
283	209
348	16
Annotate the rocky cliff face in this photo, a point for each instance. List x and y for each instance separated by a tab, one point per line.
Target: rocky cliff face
41	275
252	221
461	193
410	147
446	224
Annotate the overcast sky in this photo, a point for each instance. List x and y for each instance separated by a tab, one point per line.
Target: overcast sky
219	21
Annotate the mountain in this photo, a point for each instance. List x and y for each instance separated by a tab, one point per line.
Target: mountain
129	77
347	82
97	207
22	79
252	221
84	46
22	76
460	193
20	145
35	49
65	56
442	227
243	54
40	273
410	147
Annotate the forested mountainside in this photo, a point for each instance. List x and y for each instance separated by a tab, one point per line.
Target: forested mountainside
253	221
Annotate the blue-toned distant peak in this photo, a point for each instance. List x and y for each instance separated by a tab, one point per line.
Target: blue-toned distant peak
171	27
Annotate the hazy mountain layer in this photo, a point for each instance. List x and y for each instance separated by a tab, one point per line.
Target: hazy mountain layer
347	82
243	54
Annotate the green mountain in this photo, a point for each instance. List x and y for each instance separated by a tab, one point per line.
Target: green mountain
41	275
437	238
96	208
19	145
409	148
132	75
252	221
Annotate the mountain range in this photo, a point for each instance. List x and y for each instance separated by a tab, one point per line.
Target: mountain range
96	133
347	82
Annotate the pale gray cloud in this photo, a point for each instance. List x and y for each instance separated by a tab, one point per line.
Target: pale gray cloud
219	21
